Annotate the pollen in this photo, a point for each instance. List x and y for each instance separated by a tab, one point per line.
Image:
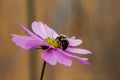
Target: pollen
52	42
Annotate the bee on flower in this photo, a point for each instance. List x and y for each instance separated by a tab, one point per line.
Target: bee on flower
55	48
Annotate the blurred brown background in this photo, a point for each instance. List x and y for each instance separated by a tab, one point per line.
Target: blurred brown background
96	22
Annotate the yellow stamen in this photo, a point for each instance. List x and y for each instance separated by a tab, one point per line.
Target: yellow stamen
52	42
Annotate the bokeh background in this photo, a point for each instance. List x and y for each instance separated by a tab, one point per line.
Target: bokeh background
96	22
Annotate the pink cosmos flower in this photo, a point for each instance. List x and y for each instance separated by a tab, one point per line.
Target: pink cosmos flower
55	48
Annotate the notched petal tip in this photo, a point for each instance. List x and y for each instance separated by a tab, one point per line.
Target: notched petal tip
83	60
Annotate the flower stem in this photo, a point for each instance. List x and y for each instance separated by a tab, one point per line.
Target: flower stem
43	70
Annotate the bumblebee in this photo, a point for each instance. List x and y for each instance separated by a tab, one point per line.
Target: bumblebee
63	41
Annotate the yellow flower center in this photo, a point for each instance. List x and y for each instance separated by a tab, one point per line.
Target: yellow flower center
52	42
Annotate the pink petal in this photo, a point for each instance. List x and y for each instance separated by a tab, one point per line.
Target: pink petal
51	32
39	29
48	56
74	42
78	50
62	59
43	30
29	32
26	42
82	60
